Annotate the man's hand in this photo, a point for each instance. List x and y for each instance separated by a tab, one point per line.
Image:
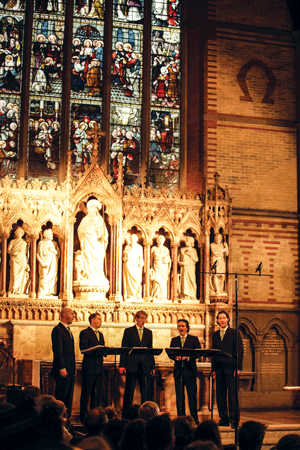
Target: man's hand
214	374
122	370
152	373
63	373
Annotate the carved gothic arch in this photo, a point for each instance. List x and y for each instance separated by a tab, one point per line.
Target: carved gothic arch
281	328
155	232
249	327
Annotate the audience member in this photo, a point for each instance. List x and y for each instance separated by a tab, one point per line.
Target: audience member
288	442
208	431
113	431
148	410
94	443
251	435
131	413
112	413
94	421
202	445
133	436
24	408
159	433
183	431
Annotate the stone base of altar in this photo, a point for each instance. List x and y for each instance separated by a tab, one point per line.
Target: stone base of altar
114	384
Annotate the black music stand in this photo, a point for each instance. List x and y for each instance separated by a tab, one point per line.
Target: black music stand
116	351
145	351
12	390
210	353
172	353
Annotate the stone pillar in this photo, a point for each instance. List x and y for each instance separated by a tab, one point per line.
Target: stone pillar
62	267
174	276
147	245
205	392
113	262
290	366
115	266
33	266
68	259
206	267
4	263
257	365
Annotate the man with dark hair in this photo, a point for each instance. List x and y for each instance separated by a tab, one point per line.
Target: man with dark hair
185	370
224	369
94	421
63	368
251	435
137	367
159	433
91	386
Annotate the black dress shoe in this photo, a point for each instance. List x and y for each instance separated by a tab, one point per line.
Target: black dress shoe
223	423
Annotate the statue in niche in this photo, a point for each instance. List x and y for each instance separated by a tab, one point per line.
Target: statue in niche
93	237
188	258
48	254
160	268
133	263
19	267
219	251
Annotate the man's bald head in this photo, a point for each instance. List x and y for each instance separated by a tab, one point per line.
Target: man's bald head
67	316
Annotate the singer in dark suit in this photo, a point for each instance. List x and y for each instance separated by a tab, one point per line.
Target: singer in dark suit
91	372
137	367
185	368
224	369
63	368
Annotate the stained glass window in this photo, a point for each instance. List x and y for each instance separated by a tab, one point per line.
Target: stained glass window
81	68
11	54
86	80
164	155
126	91
46	89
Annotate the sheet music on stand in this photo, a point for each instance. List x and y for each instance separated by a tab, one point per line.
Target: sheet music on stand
96	347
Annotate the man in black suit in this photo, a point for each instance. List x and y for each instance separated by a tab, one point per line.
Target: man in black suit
224	369
63	368
185	370
137	367
91	373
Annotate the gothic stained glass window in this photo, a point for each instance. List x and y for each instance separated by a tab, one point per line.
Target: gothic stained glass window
126	91
86	80
164	155
87	51
46	89
11	53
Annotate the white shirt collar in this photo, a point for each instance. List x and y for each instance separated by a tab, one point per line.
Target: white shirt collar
224	329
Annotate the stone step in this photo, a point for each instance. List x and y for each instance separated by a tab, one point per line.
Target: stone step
272	436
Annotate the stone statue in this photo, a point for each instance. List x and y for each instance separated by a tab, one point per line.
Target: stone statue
19	268
133	263
48	254
93	237
187	261
160	268
219	251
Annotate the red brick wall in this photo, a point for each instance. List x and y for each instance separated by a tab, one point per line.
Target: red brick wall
274	242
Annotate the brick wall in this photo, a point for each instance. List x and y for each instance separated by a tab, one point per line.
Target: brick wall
251	141
274	242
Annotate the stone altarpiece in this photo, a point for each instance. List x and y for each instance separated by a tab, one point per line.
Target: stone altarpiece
27	319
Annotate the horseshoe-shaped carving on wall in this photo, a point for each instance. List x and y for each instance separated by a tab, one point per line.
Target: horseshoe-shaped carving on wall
241	78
